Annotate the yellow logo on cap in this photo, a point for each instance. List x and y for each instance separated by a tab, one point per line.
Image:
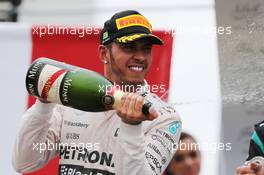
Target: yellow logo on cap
132	20
125	39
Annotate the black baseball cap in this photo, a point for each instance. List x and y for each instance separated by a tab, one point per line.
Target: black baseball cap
127	26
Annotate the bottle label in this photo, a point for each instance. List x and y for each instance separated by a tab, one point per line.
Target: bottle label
65	89
32	78
49	83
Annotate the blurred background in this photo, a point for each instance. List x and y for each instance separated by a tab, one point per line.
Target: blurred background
217	72
241	59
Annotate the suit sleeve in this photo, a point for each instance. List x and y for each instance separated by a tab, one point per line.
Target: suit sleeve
148	152
37	137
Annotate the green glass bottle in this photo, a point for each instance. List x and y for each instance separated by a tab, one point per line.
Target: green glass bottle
72	86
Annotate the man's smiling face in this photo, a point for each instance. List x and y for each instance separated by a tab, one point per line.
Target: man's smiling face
129	63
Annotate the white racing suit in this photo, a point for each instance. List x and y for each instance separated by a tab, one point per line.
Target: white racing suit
90	143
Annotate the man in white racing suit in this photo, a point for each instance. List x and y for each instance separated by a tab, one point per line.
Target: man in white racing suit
123	141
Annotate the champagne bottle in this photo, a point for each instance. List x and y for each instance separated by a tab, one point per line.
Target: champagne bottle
73	86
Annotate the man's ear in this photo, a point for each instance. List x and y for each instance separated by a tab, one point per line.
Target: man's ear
103	54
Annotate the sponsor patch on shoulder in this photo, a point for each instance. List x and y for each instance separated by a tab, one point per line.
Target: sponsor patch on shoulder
173	127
